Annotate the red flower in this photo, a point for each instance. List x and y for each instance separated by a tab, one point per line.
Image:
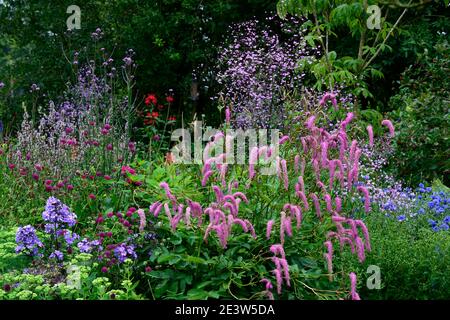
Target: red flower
170	99
160	107
172	118
151	98
155	114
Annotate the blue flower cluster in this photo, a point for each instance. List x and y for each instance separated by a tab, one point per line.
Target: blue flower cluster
123	251
27	241
87	246
57	214
423	202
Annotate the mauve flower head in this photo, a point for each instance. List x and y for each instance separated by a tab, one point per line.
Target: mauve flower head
256	65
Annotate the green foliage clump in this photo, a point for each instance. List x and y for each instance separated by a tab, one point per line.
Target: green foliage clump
414	264
423	117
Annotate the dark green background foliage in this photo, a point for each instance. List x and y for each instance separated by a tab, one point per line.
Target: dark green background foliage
422	115
167	35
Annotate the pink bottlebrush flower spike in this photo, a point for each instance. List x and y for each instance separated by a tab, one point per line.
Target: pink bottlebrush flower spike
296	163
227	115
338	202
390	126
268	285
302	196
365	192
329	258
310	122
253	160
365	231
327	199
370	133
354	294
169	194
285	267
283	139
316	205
285	174
206	177
277	249
142	220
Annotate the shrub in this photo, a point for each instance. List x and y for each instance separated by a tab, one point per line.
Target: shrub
423	118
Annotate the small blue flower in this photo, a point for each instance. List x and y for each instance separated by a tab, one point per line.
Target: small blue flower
421	211
447	219
432	222
444	226
401	218
435	228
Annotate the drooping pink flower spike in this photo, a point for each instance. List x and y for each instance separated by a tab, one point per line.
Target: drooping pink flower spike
267	283
329	258
227	115
283	139
365	192
142	220
354	294
166	188
390	126
316	205
277	249
370	133
310	122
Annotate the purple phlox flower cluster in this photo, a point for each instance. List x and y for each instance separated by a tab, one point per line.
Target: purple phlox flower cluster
87	246
27	241
58	214
57	255
123	251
